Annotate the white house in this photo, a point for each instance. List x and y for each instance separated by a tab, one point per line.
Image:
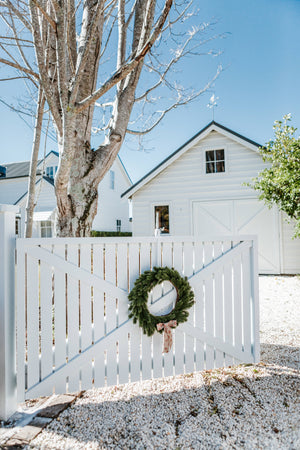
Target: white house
14	185
199	189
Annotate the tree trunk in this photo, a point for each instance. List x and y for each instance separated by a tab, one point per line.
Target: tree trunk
33	164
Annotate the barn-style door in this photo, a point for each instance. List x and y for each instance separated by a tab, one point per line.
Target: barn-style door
73	330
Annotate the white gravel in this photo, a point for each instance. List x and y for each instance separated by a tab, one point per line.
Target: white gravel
249	406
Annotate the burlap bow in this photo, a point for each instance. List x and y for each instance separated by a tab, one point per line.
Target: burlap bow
167	327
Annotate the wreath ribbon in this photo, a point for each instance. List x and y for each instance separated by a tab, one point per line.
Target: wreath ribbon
167	327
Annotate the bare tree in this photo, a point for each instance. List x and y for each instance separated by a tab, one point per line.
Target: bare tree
30	204
62	45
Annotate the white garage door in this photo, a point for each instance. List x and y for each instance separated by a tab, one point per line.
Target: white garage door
227	217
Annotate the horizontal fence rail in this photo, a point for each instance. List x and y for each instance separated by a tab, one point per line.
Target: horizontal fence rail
73	330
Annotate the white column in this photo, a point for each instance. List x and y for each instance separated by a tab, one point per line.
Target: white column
8	398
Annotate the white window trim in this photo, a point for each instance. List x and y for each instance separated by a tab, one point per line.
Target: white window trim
152	215
112	180
215	147
51	226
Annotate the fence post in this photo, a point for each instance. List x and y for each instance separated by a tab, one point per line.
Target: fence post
8	394
255	298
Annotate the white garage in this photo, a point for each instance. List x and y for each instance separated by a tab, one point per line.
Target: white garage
242	216
200	190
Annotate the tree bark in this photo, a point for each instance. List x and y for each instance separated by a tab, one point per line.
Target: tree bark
30	205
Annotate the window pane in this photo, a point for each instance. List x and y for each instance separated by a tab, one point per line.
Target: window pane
162	216
221	166
219	155
210	155
112	179
210	167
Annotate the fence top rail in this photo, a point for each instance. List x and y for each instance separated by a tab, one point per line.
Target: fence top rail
133	240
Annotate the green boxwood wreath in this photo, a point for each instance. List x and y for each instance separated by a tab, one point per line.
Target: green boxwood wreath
138	308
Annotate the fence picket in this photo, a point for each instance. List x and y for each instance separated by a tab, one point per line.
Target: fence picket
21	319
122	281
73	318
246	300
199	305
86	315
168	358
33	369
59	318
98	319
111	313
179	336
237	304
188	266
209	307
146	341
135	334
46	321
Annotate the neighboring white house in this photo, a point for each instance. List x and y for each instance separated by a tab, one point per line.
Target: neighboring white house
112	214
199	189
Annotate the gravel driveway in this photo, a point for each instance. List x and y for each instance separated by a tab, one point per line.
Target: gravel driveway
249	406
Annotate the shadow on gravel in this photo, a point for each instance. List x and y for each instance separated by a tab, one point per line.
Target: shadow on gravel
281	355
239	407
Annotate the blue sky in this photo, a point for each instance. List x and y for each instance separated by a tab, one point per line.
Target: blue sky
260	84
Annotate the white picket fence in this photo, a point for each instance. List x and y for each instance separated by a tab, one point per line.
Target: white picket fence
73	330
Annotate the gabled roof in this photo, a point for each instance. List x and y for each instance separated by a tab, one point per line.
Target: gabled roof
212	126
21	169
49	180
123	168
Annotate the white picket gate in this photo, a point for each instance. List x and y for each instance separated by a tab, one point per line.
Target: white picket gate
73	330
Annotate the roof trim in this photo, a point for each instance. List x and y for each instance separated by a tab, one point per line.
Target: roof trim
212	126
49	180
124	169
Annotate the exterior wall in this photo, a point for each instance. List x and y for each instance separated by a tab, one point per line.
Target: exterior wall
185	181
290	248
110	205
11	189
45	201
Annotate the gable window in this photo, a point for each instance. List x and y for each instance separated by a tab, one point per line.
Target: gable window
214	161
112	179
118	224
46	228
51	171
161	218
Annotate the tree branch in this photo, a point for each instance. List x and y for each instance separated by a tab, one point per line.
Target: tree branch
84	54
17	66
130	66
18	13
45	14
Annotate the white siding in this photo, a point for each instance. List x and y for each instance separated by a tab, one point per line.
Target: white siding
45	201
290	247
184	183
12	189
185	180
110	205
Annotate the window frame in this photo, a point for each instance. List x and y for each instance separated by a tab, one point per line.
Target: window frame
52	170
119	225
155	204
112	180
42	227
208	148
215	161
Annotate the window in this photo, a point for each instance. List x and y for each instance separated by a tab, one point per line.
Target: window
118	224
112	179
46	228
161	218
18	226
51	171
215	161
